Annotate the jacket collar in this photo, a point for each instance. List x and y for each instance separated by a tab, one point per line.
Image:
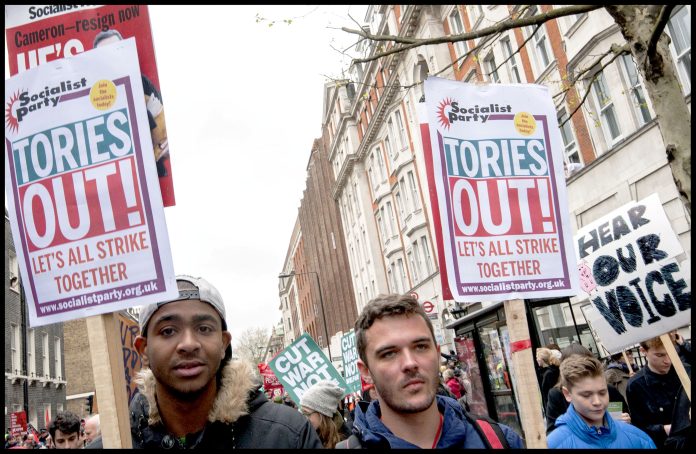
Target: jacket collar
582	430
231	403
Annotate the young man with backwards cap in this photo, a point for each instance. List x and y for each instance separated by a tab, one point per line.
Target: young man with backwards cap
191	394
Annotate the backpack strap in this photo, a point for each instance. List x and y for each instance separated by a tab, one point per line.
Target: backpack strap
489	431
352	442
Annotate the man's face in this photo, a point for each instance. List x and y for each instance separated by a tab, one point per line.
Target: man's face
90	430
658	360
590	398
67	441
403	363
184	347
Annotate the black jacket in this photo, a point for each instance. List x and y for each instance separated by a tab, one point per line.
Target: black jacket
557	405
651	397
549	378
242	417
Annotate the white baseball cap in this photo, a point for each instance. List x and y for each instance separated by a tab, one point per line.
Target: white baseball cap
205	292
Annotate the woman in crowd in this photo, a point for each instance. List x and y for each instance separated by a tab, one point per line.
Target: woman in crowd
320	405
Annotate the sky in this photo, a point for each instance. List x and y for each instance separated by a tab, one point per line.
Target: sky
243	103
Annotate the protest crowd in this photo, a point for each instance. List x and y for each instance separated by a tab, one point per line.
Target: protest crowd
193	395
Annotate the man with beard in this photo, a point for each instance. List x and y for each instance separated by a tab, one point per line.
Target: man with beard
399	355
191	394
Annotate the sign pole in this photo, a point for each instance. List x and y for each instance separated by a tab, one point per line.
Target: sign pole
677	363
523	364
625	357
109	380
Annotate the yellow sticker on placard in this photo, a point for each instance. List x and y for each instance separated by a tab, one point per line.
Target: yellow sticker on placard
103	94
525	123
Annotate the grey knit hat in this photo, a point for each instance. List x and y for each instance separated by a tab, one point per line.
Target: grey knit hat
322	397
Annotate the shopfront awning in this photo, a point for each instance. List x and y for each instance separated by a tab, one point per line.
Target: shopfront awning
483	311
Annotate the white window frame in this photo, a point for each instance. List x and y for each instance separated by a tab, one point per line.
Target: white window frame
31	352
511	62
14	271
415	272
402	274
392	221
401	130
492	72
391	151
637	99
677	30
605	108
414	191
380	164
475	14
355	196
45	355
400	204
426	255
456	28
570	144
539	40
16	349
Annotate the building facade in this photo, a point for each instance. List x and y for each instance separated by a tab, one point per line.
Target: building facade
35	376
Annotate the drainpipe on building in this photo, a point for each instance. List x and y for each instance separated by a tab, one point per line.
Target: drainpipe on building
25	365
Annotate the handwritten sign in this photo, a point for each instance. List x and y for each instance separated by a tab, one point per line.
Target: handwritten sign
301	365
83	196
636	287
349	351
494	158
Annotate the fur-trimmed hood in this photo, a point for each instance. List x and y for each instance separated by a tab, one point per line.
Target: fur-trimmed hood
231	403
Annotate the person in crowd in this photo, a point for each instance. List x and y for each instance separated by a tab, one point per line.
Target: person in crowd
65	431
398	354
682	345
586	423
680	433
191	394
452	383
652	392
549	361
618	373
320	405
92	433
557	404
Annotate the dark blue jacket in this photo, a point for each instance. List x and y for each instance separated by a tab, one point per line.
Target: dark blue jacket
572	432
456	430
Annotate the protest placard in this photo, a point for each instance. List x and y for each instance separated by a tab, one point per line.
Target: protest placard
349	351
18	422
83	196
37	34
270	381
627	268
301	365
493	156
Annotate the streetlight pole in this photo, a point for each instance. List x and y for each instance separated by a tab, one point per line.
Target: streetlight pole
321	303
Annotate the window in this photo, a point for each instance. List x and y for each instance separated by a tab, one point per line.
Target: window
364	245
540	44
415	272
680	32
571	148
402	274
417	258
514	73
370	173
426	255
14	271
475	14
403	142
402	189
392	222
492	72
44	355
607	113
400	204
456	28
388	145
58	371
31	353
380	222
380	164
638	101
390	277
15	347
414	191
355	197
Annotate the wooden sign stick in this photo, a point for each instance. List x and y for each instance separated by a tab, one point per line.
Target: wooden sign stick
523	365
625	357
109	380
677	363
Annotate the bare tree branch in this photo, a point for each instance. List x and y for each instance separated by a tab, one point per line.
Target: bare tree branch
524	43
410	43
660	25
618	51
